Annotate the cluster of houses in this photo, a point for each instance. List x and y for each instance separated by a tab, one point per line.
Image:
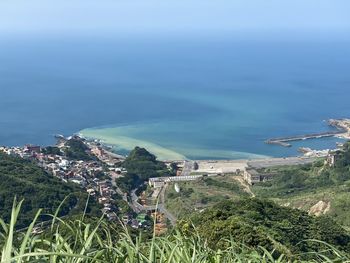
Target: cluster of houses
95	176
23	152
103	190
141	221
90	175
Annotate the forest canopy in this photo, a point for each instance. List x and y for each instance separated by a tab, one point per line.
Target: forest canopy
25	180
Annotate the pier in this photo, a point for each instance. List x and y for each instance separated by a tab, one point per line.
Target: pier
284	141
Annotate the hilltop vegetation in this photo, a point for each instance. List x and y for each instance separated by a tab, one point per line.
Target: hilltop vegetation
255	223
25	180
141	165
77	150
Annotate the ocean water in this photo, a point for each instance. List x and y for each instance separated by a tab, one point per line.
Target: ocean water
180	98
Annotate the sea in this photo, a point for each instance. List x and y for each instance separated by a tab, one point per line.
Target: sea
193	98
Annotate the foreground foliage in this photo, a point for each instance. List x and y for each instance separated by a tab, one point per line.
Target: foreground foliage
256	223
73	241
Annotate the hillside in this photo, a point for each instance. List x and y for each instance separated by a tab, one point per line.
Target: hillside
25	180
318	187
200	194
234	230
141	165
231	227
256	223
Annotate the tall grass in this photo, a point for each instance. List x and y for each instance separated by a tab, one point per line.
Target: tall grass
79	241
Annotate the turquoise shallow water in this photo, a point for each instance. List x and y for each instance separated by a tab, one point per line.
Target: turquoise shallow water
181	98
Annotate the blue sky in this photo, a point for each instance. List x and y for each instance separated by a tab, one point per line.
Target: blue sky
135	17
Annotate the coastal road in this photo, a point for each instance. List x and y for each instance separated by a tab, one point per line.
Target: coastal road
270	162
162	208
119	191
136	206
114	155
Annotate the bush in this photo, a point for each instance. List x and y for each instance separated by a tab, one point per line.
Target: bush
85	240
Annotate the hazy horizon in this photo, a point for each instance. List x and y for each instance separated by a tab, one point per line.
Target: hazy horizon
243	71
293	19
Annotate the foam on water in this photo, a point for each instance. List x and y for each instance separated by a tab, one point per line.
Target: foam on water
119	137
110	136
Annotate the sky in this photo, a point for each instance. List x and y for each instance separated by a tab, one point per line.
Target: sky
137	17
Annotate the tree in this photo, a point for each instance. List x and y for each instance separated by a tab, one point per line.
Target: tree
141	165
256	222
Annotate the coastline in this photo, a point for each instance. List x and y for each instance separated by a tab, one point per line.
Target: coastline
121	138
128	143
110	137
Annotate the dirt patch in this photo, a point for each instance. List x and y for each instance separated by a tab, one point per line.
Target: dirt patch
246	187
321	208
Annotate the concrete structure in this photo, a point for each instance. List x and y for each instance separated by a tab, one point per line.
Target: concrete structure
271	162
221	166
160	181
252	176
32	148
333	157
156	183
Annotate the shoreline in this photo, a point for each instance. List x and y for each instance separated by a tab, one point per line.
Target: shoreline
120	145
124	143
112	138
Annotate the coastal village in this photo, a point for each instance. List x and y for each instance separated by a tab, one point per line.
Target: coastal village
96	169
96	175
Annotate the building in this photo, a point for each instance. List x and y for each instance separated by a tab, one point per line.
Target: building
156	183
32	148
333	157
142	219
252	176
160	181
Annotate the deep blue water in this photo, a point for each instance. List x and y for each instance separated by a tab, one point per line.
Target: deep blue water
217	96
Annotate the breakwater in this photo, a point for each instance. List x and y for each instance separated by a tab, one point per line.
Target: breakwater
284	141
342	127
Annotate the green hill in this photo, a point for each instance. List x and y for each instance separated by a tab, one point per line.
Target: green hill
141	165
306	186
256	223
234	231
25	180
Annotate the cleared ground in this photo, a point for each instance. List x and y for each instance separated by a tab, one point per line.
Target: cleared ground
232	166
221	166
197	195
